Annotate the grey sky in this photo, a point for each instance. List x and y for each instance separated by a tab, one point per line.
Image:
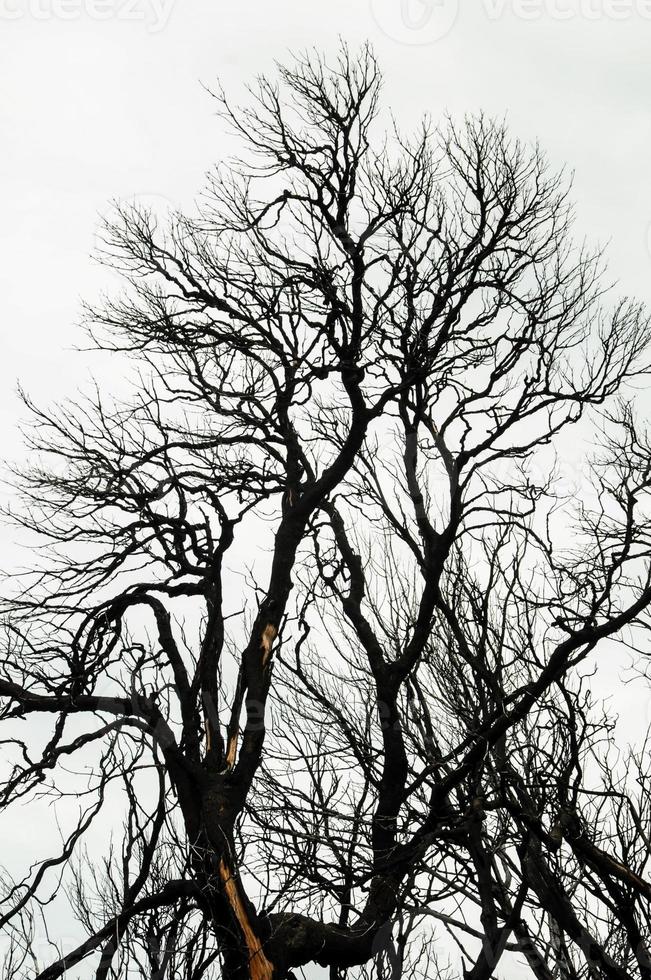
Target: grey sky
102	99
92	109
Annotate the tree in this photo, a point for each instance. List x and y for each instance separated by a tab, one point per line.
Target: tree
316	614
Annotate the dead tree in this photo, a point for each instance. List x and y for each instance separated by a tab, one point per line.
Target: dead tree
316	612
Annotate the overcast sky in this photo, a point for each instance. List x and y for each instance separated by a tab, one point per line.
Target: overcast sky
103	98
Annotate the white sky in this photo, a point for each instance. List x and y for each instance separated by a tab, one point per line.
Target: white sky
95	109
92	109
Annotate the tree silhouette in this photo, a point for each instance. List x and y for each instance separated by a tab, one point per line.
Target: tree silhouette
316	613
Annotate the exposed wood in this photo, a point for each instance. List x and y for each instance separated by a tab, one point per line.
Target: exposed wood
260	968
268	636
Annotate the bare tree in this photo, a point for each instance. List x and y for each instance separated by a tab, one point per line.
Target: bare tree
316	613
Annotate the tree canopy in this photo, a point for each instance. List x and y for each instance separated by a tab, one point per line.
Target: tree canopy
316	609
